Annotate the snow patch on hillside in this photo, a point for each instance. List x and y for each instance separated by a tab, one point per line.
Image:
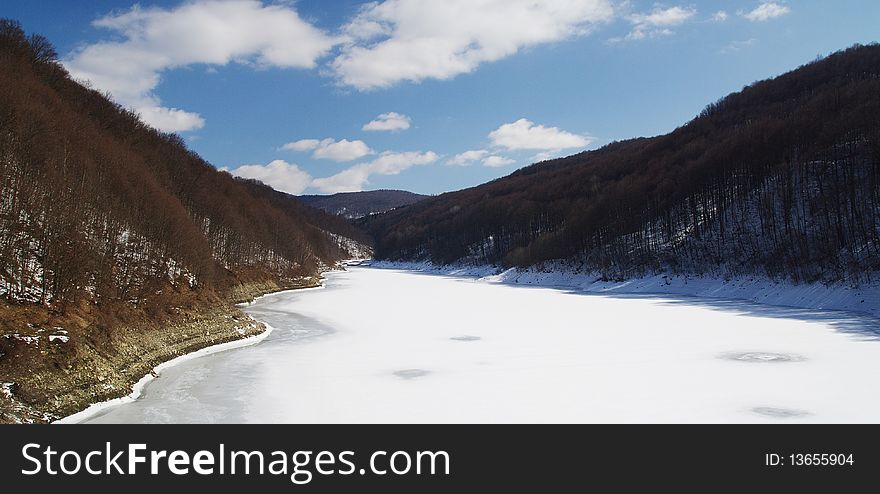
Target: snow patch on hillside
6	390
842	297
355	249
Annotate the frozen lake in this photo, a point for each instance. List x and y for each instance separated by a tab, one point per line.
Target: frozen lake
391	346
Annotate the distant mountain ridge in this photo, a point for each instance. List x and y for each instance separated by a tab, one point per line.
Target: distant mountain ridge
353	205
780	179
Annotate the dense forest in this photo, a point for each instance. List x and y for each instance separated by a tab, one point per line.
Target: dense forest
779	179
354	205
98	206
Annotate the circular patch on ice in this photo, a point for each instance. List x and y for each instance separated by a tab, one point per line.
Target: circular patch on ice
465	338
411	373
779	413
762	357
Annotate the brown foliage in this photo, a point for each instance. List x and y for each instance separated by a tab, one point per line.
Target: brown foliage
96	204
780	178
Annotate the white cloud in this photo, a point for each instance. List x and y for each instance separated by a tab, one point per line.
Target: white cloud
390	121
720	16
213	32
279	174
289	178
545	155
766	11
302	145
330	149
171	119
340	151
658	22
414	40
349	180
737	46
496	161
468	157
483	156
354	178
525	134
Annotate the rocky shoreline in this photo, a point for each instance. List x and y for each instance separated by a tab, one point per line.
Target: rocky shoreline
55	377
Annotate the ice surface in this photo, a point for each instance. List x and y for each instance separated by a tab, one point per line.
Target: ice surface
382	345
411	373
466	338
779	413
762	357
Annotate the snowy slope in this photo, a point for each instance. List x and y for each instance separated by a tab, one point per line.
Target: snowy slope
838	297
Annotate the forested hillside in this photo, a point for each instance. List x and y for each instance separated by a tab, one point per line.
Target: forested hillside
355	205
97	205
780	179
119	247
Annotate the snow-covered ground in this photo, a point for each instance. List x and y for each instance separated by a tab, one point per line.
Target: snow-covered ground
383	345
837	297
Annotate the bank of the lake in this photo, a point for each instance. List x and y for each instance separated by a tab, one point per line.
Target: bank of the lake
862	297
47	378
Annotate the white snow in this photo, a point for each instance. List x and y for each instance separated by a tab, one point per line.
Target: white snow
383	345
840	297
60	334
6	390
30	340
354	248
139	386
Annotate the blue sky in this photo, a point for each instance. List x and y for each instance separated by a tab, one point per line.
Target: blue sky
317	96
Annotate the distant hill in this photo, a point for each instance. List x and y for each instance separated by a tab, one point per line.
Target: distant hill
779	179
354	205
